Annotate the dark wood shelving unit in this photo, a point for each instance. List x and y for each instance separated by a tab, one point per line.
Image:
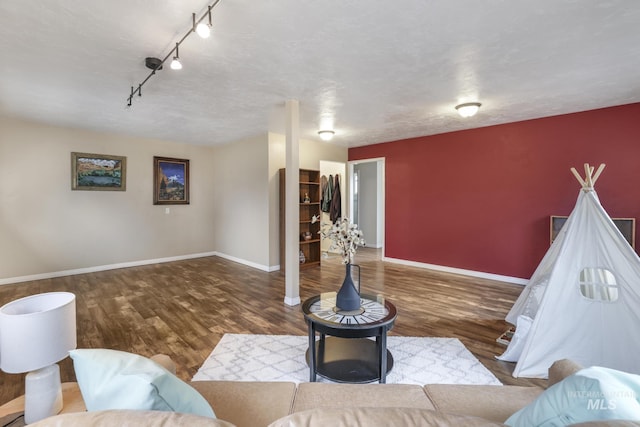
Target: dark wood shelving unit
308	186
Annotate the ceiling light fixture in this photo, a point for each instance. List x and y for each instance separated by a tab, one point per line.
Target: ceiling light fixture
326	135
468	109
176	64
199	27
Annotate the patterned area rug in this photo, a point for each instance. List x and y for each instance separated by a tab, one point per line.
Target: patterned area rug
417	360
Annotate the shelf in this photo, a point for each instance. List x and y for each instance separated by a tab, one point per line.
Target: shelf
309	264
308	187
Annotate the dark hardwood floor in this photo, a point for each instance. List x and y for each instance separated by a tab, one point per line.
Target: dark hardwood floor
183	308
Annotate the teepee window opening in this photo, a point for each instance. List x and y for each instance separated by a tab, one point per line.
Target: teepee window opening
598	284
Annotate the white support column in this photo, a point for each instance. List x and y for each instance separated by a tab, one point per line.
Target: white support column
292	204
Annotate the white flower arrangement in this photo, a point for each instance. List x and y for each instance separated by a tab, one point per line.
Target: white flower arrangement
345	237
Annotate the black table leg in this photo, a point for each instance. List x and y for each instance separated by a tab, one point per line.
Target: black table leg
321	350
382	348
312	352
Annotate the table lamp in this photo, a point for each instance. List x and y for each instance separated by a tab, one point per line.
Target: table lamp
36	332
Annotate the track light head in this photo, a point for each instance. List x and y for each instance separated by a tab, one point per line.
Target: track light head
203	30
176	64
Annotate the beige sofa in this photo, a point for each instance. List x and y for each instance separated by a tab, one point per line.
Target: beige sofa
280	404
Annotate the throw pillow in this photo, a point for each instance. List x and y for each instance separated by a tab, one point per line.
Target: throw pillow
591	394
112	379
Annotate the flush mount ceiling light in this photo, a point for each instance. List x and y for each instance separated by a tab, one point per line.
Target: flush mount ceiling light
326	135
198	26
468	109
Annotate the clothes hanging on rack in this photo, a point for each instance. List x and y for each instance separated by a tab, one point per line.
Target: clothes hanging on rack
327	195
336	201
324	184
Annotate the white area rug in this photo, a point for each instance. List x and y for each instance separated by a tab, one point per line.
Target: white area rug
417	360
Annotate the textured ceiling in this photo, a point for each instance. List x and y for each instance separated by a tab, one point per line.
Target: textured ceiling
378	70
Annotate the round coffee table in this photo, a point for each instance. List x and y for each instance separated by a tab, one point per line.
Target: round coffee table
348	355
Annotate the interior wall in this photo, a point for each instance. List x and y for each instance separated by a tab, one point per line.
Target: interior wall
241	192
480	199
45	227
368	202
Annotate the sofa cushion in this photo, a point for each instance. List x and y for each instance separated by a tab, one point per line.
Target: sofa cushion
111	379
561	369
591	394
377	417
129	418
332	395
248	404
492	402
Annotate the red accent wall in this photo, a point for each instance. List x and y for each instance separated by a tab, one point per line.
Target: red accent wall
481	199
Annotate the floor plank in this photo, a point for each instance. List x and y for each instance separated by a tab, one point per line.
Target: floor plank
183	308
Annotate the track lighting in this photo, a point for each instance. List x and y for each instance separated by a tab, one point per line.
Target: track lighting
326	135
203	29
176	64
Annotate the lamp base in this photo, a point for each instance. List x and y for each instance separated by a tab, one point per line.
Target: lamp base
43	394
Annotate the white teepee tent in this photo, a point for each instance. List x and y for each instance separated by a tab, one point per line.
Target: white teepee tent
583	300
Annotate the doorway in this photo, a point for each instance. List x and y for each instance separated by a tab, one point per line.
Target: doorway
367	199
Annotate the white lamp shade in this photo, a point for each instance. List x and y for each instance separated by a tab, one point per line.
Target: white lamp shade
37	331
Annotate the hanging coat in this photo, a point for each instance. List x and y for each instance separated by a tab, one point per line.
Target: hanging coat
325	206
336	202
324	183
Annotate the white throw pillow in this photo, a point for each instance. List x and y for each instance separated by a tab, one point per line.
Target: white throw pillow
112	379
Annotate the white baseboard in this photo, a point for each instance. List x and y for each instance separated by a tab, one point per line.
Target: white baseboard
472	273
94	269
262	267
288	301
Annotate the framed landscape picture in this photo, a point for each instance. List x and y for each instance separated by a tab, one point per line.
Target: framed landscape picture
170	181
98	172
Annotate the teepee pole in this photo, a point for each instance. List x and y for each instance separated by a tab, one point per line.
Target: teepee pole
597	175
578	177
590	178
588	170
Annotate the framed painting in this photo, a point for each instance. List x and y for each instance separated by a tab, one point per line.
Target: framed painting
98	172
627	227
170	181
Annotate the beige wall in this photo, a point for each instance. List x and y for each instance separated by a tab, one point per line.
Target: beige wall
45	227
241	206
